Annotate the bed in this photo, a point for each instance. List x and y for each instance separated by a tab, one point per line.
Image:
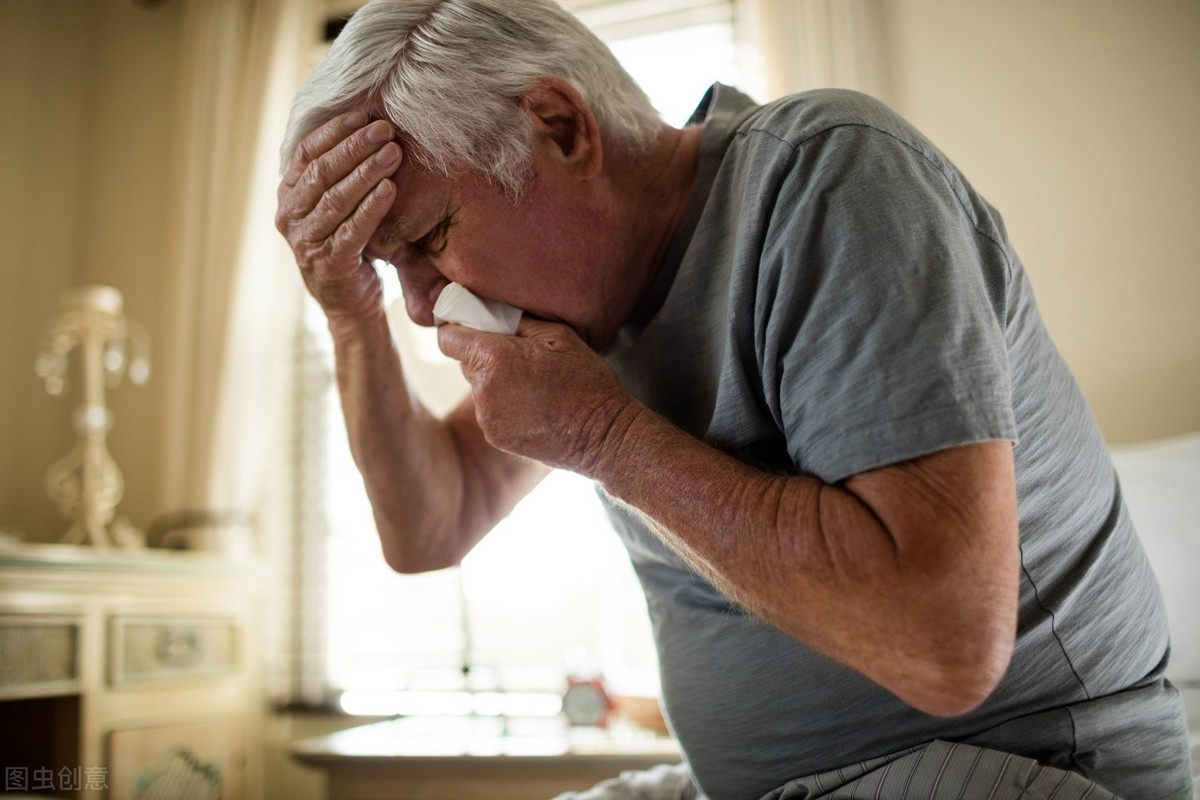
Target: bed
1161	482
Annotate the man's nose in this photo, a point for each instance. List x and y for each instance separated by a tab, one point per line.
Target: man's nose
421	287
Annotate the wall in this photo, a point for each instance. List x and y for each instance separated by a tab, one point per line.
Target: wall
86	136
1078	120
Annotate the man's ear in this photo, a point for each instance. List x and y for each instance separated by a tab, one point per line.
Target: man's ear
564	126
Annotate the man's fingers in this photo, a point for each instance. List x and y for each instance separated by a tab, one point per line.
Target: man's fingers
458	341
336	159
341	199
552	335
542	394
349	238
333	242
461	343
320	142
337	190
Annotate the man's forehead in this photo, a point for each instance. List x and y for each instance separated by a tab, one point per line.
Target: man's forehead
423	194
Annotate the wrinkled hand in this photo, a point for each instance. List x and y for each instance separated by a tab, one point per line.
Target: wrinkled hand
333	196
543	393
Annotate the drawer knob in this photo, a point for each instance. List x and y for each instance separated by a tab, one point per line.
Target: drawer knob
178	648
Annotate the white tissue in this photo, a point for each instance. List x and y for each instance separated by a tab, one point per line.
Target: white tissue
456	304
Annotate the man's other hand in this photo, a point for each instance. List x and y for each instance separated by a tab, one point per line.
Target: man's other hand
543	393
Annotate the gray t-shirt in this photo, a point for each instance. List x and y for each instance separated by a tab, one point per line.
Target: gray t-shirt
839	298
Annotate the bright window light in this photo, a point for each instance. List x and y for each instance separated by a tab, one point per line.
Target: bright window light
675	68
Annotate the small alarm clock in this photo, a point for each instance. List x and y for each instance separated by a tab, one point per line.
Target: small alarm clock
585	702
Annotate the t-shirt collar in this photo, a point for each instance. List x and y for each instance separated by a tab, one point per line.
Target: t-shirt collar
720	112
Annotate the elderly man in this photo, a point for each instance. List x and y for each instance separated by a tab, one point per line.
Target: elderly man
880	536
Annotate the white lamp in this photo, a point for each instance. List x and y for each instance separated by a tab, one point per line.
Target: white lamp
86	484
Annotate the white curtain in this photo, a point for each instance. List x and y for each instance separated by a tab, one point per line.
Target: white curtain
232	292
806	44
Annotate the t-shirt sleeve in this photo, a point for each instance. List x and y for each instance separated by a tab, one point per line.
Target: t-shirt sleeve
880	308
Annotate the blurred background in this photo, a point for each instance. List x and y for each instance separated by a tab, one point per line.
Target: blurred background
138	150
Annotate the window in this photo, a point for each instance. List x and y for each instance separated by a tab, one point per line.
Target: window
548	592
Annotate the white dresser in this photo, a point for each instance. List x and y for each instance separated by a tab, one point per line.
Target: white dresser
127	673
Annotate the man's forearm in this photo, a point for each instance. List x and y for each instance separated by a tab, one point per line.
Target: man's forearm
928	614
406	456
436	486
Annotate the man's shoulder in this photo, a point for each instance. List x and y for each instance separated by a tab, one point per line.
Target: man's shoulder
796	119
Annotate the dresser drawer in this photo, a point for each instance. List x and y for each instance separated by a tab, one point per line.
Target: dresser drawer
163	650
39	654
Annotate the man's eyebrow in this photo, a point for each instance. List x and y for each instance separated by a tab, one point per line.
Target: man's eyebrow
434	240
393	231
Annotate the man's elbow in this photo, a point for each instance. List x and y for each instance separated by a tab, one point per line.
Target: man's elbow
960	681
406	557
954	697
404	564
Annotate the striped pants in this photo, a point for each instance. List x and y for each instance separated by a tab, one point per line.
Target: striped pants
935	771
944	771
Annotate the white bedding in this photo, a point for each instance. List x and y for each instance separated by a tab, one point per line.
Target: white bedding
1161	482
1192	698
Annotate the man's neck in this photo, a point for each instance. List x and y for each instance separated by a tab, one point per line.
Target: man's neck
658	186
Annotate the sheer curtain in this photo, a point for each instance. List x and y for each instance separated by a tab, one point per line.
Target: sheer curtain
232	294
805	44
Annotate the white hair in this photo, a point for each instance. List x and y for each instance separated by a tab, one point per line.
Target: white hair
450	74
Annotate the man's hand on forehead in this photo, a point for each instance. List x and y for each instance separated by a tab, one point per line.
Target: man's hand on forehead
336	190
340	145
